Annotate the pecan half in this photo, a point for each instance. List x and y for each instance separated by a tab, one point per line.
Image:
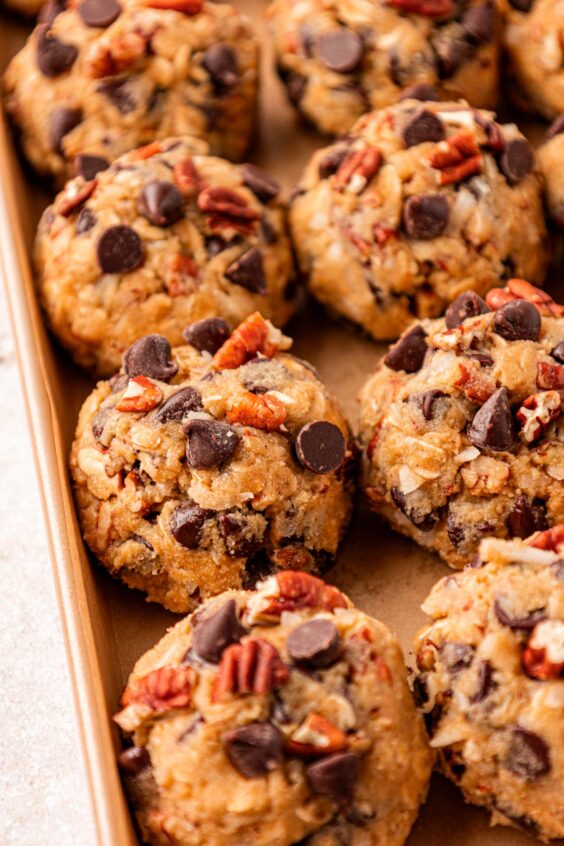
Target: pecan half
141	394
186	177
520	289
543	657
162	690
357	169
316	736
252	666
254	335
457	157
550	376
74	195
430	8
262	412
221	202
536	413
292	590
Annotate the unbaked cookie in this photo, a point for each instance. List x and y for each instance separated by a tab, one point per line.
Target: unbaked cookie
200	468
109	75
164	236
550	155
461	426
491	681
341	58
419	202
274	717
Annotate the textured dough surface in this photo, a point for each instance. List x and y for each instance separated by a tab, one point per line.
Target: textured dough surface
203	800
353	242
498	731
391	51
182	275
425	474
141	78
550	156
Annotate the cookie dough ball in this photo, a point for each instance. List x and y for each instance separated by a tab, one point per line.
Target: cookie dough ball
461	426
340	59
418	203
491	681
107	76
165	236
194	474
535	65
550	156
277	716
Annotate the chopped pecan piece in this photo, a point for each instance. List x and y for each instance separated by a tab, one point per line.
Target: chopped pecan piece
254	335
550	376
141	395
110	56
543	657
292	590
186	177
383	234
520	289
316	736
476	385
536	413
429	8
252	666
180	274
457	157
262	412
551	539
162	690
357	169
74	195
146	152
187	7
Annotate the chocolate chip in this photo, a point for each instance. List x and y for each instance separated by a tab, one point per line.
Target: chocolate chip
456	655
207	335
452	53
330	163
161	203
423	522
214	633
422	91
517	160
88	165
186	523
334	776
131	761
54	57
119	382
296	86
61	122
320	446
528	755
179	405
49	11
422	126
220	62
485	682
483	359
478	23
521	5
98	13
518	321
493	427
209	443
425	216
555	128
238	542
248	272
85	221
260	182
254	749
558	352
268	231
340	50
409	352
506	618
526	518
117	91
427	401
119	250
150	356
456	532
468	304
215	245
315	643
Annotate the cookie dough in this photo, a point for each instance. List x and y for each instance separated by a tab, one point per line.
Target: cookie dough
164	236
491	681
418	203
535	57
462	428
550	156
200	468
110	75
341	58
274	717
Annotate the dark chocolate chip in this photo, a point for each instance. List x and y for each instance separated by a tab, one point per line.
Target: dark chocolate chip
423	126
214	633
468	304
521	5
528	755
334	776
526	518
179	405
456	655
117	91
186	524
478	23
315	643
161	203
88	165
131	761
452	53
268	231
493	427
423	522
49	11
456	532
54	57
340	50
330	163
425	216
220	62
483	359
61	122
215	245
143	541
150	356
518	321
238	543
422	91
207	335
517	160
248	272
558	352
119	250
320	446
209	443
257	568
427	400
485	682
260	182
85	221
119	382
254	749
98	423
409	352
98	13
506	618
555	128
